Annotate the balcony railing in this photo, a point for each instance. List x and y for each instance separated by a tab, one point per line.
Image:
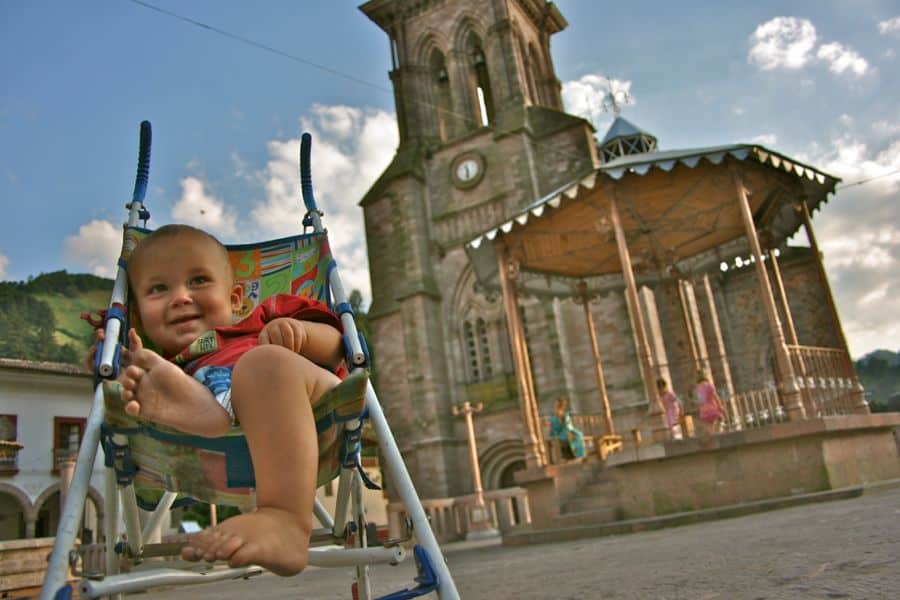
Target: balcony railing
9	456
63	455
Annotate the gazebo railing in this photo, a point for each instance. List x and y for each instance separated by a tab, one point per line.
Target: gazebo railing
826	378
755	408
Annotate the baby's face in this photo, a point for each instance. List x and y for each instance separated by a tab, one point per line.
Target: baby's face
183	287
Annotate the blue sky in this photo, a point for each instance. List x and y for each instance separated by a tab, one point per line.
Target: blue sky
817	81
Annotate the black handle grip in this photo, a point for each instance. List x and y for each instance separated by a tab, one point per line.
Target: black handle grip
306	172
143	169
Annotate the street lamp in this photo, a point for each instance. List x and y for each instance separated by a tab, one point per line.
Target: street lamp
480	525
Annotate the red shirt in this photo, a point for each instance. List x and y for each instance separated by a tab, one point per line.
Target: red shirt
223	346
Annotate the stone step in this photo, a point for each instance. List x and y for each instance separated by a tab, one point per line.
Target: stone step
598	488
595	516
587	503
594	495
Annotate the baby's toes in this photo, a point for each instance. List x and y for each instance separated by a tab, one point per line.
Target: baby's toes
244	554
133	408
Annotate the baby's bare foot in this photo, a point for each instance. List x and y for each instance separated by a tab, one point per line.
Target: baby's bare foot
158	390
268	537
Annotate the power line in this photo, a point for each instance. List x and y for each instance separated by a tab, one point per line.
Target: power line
261	46
866	180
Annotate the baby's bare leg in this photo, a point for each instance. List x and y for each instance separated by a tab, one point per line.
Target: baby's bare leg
160	391
272	390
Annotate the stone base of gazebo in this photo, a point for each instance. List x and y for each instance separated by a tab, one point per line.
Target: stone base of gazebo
774	461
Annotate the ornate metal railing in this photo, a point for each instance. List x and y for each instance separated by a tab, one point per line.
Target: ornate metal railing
754	408
827	380
450	517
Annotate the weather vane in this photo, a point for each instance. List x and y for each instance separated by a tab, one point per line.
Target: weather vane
614	99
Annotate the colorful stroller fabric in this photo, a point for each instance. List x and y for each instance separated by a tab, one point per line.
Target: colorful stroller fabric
219	470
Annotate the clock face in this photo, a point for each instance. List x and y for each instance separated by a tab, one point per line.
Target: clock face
467	170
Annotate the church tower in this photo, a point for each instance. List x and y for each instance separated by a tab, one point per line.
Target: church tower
482	135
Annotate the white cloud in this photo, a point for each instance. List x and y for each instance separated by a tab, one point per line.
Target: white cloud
889	26
587	96
96	247
350	149
201	209
785	42
766	139
859	234
879	293
4	262
842	60
885	128
790	43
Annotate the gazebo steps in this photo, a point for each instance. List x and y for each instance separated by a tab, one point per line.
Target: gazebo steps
598	494
584	518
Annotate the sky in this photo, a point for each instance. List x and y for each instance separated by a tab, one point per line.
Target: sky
229	86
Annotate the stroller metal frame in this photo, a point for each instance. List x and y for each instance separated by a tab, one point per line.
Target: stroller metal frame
433	572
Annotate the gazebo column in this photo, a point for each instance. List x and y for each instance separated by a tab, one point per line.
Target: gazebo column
696	340
598	366
659	359
722	355
858	401
788	384
535	453
634	309
791	330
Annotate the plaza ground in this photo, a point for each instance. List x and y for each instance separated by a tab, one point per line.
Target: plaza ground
837	549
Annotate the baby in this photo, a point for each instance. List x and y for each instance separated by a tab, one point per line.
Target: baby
280	360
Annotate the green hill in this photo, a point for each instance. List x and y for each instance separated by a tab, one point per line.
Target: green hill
40	317
879	372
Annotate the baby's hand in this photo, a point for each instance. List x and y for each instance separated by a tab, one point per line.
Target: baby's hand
99	336
284	331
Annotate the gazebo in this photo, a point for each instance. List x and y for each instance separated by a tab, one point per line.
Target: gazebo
645	215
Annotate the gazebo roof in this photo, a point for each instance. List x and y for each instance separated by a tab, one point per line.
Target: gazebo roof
678	207
622	127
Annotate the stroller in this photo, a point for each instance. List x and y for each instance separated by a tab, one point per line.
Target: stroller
180	468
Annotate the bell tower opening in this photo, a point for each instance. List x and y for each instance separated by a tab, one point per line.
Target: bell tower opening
480	83
443	100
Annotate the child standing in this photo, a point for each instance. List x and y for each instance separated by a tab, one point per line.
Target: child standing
267	371
712	409
672	407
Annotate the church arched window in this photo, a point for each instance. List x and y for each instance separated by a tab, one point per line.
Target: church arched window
480	82
484	348
471	352
476	342
530	71
442	97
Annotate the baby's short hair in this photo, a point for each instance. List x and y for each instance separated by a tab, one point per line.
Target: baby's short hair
175	230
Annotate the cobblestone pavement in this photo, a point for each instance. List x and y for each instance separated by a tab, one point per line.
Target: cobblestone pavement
839	549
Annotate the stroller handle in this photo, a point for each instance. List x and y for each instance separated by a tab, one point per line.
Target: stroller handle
143	169
306	173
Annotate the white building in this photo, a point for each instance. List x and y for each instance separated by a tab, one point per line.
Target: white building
43	408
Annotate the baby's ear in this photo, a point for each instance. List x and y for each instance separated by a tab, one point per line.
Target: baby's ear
237	297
